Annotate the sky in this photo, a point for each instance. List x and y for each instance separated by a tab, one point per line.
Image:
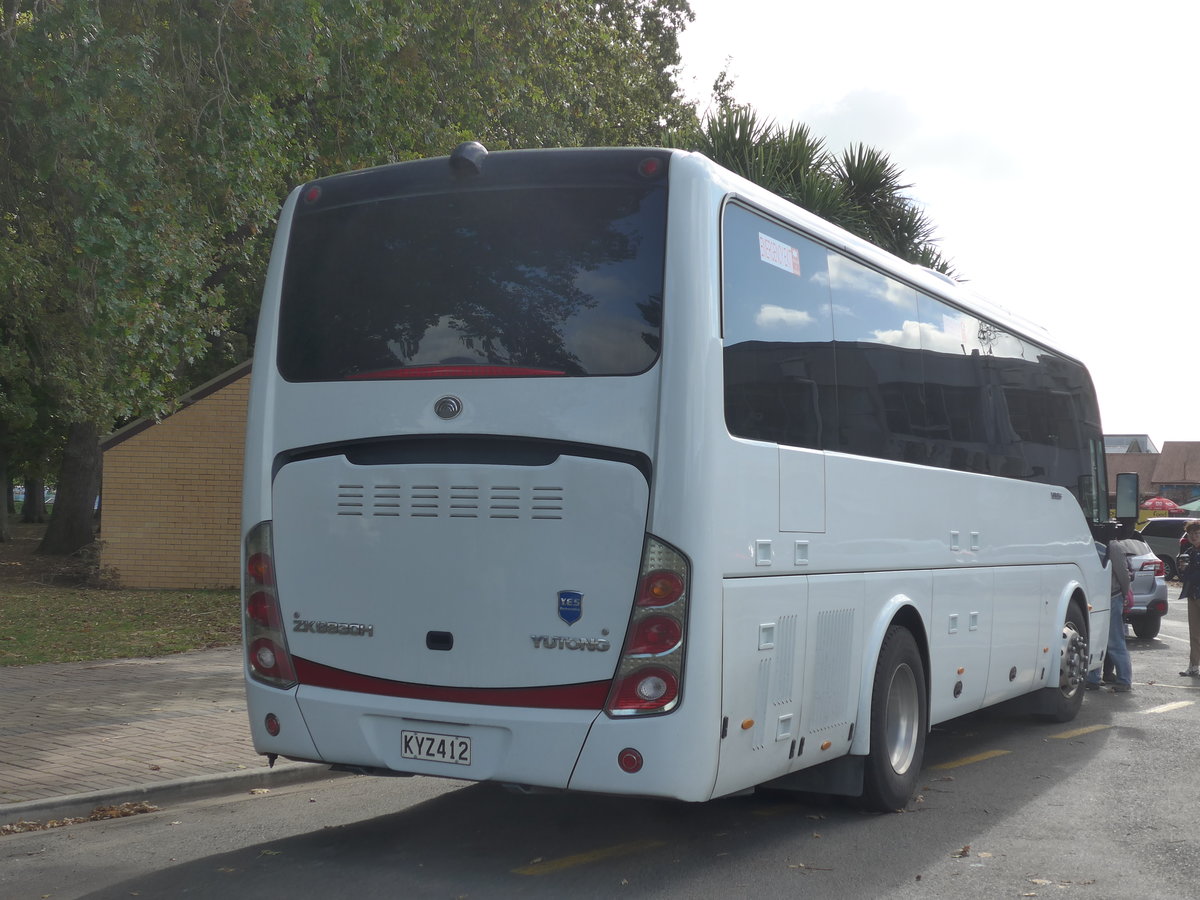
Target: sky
1052	143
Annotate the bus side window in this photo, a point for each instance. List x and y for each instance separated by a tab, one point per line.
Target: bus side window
779	374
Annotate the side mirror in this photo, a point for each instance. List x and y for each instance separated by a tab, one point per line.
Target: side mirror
1127	497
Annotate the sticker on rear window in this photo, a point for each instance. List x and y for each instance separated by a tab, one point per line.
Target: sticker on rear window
777	253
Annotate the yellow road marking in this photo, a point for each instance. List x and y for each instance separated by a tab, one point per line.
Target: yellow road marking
545	867
1170	707
1076	732
967	760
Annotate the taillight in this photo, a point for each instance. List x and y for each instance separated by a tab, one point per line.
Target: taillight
649	688
651	666
659	588
1156	566
655	635
265	642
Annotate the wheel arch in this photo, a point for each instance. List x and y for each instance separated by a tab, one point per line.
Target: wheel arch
902	611
1072	593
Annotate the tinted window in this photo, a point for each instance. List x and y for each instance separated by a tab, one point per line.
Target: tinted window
879	363
824	352
564	281
1160	528
778	333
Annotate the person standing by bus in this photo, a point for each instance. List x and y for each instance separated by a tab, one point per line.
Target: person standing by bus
1189	564
1117	652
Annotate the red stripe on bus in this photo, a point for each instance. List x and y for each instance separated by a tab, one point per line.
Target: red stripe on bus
589	695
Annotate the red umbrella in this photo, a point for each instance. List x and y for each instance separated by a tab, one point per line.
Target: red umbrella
1162	504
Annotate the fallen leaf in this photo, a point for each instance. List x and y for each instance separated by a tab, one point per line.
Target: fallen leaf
965	851
260	790
1041	882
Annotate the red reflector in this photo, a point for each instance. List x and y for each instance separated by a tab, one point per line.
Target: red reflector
629	760
659	588
272	724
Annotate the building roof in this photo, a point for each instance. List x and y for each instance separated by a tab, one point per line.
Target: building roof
137	426
1179	463
1143	464
1129	443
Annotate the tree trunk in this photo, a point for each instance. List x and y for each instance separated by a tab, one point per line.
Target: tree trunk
33	512
71	523
8	496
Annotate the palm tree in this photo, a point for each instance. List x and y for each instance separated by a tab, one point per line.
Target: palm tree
862	190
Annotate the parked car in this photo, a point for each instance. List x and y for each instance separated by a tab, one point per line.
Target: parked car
1163	535
1149	588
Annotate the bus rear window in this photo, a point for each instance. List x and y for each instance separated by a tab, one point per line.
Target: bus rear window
517	282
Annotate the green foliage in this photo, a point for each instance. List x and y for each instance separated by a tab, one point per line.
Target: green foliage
148	146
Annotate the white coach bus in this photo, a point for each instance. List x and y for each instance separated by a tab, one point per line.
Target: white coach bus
608	470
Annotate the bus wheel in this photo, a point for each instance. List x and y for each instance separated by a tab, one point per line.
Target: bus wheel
899	720
1072	669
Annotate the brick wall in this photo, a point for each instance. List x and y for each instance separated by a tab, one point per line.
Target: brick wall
173	494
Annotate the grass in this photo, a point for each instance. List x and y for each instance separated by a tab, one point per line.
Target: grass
42	620
44	623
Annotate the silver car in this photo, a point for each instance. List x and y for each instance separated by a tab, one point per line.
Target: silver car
1149	588
1162	535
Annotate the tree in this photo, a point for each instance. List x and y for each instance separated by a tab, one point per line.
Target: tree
150	144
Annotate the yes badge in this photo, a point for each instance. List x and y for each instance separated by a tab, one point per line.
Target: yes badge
570	606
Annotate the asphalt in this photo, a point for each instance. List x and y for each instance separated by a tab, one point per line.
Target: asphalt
77	736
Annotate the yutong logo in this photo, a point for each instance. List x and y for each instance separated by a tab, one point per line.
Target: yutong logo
553	642
312	627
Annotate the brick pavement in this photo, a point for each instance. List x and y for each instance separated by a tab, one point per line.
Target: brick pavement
79	728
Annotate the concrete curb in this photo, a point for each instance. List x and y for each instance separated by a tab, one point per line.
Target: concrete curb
195	788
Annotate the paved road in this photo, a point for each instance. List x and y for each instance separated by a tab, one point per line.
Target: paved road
78	735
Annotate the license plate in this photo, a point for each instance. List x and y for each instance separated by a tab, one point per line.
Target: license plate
445	748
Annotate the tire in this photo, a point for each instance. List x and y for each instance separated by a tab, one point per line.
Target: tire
1066	699
1146	627
899	722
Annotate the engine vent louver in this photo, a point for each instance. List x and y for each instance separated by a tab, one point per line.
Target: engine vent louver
454	501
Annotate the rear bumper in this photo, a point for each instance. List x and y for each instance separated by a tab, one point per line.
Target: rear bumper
549	748
1154	604
520	745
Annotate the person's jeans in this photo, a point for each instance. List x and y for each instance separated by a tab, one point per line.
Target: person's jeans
1117	651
